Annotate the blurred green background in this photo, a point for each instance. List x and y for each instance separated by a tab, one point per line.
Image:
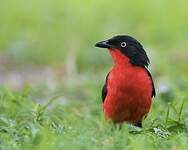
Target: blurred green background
61	35
47	48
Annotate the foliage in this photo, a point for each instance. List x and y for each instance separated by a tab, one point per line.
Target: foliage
24	124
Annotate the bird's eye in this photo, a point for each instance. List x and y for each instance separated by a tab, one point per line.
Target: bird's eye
123	44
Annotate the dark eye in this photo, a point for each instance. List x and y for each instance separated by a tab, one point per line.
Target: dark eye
123	44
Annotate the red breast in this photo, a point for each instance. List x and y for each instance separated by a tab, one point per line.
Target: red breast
129	91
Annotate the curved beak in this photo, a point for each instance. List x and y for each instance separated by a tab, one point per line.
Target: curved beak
103	44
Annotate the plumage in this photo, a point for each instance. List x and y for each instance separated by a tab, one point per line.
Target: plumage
104	89
129	88
153	87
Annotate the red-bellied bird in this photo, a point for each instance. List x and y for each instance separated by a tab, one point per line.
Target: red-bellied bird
129	88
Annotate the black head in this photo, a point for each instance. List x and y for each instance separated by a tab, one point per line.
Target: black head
129	47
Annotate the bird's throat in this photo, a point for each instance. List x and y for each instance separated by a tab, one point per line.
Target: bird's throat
119	58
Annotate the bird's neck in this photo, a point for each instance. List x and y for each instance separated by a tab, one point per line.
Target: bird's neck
119	58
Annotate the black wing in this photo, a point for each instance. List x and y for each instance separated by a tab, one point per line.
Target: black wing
153	87
104	89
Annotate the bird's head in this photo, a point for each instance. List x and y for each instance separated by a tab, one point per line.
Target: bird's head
124	48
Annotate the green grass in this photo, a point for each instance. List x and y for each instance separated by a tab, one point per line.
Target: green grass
24	124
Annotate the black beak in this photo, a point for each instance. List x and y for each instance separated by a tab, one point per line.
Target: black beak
103	44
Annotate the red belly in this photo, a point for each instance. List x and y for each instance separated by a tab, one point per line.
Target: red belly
129	92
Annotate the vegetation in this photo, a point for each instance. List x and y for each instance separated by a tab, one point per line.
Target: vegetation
25	124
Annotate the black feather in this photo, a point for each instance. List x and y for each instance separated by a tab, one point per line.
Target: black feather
133	49
104	89
153	87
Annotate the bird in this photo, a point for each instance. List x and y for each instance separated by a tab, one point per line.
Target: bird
129	88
